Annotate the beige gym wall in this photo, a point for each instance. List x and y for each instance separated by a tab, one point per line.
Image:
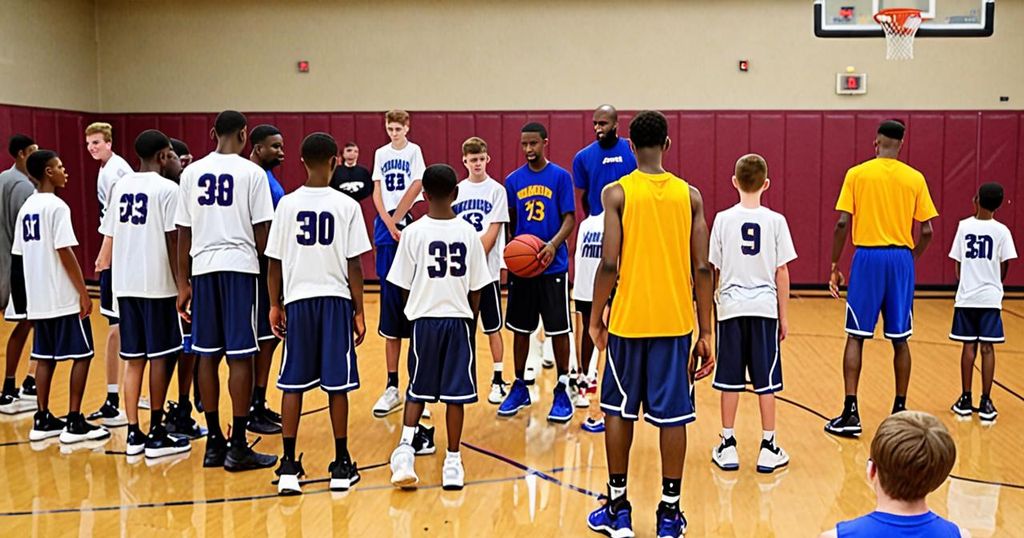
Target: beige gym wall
48	54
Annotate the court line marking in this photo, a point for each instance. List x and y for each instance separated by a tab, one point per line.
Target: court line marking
530	470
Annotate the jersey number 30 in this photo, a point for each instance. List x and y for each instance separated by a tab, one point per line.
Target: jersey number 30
979	246
218	190
449	258
315	228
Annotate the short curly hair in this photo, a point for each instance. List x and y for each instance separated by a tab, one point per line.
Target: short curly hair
649	129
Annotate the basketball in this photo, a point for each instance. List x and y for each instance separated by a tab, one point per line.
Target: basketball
521	256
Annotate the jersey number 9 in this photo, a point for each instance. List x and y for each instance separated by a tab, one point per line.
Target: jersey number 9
751	233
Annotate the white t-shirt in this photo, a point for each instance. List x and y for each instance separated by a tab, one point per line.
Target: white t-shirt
747	246
588	256
315	232
439	262
43	228
142	212
482	204
396	169
981	246
222	197
115	168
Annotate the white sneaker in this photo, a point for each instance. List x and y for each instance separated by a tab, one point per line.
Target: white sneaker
725	456
403	467
771	457
426	412
388	403
548	363
15	405
497	394
144	402
453	476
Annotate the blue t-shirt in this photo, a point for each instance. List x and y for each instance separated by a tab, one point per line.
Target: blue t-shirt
928	525
594	167
276	190
539	200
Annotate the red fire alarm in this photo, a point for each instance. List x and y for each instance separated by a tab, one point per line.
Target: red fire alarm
744	66
303	66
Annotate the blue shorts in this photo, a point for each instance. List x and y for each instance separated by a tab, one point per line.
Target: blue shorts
393	323
63	338
977	325
107	297
747	351
649	372
150	328
490	307
186	337
224	314
881	281
319	348
442	365
263	331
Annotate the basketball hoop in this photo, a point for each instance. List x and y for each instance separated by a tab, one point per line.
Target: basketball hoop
900	26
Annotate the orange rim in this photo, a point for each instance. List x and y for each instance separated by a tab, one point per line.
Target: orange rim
898	16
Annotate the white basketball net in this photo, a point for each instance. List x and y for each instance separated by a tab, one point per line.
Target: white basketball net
899	35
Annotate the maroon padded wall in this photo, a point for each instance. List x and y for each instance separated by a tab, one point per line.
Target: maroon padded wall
808	153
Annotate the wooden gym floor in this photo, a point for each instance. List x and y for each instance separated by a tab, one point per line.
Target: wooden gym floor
525	476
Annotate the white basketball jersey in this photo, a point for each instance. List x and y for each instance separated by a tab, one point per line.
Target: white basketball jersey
222	197
439	262
981	246
43	227
396	169
587	257
482	204
142	210
747	247
115	168
315	232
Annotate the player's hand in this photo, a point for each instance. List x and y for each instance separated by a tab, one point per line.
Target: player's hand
278	321
84	305
102	262
393	229
702	360
783	328
835	279
359	327
546	254
599	332
185	302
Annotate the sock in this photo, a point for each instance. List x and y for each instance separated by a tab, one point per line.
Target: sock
850	406
393	379
289	448
407	434
616	491
498	369
455	456
9	386
134	428
728	433
967	394
112	397
563	382
341	449
670	488
156	418
900	402
238	430
984	396
259	397
213	425
768	435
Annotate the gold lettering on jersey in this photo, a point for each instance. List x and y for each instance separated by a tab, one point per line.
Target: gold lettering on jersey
534	190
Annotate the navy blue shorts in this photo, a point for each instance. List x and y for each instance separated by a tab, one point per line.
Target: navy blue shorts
442	364
649	372
224	314
393	323
490	307
150	328
263	331
747	351
541	298
881	281
977	325
107	297
61	339
319	348
186	336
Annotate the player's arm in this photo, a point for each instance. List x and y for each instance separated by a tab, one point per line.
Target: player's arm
260	231
490	237
408	198
510	231
1004	268
782	290
956	270
474	302
839	233
275	285
613	199
547	254
924	237
106	251
355	284
700	239
171	240
184	271
70	263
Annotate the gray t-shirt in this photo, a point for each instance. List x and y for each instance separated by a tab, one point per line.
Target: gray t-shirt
15	188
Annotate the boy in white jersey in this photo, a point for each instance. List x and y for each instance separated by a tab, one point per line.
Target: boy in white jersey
483	203
57	302
99	142
587	259
982	248
397	173
750	247
316	295
441	262
223	217
140	226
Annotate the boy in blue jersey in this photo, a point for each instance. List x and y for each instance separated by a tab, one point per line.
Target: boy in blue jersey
603	161
542	203
911	456
268	152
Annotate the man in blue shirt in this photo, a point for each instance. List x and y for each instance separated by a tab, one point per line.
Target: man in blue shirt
603	161
542	203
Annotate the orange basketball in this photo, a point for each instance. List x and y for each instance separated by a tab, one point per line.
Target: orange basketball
521	256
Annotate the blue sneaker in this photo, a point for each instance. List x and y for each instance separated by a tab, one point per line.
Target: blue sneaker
518	398
562	408
593	425
671	524
619	525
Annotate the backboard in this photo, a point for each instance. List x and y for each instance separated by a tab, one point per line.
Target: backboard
942	18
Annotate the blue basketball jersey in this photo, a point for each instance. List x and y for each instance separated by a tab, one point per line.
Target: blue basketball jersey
928	525
539	200
595	167
276	190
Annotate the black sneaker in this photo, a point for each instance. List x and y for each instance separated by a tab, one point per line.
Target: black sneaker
160	444
963	406
987	411
289	474
179	421
243	458
79	430
260	423
28	388
423	441
135	444
109	415
216	452
45	426
344	475
12	404
845	425
271	415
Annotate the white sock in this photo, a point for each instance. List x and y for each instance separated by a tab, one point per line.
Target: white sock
728	433
112	388
499	367
615	492
564	380
454	456
407	434
670	500
768	435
